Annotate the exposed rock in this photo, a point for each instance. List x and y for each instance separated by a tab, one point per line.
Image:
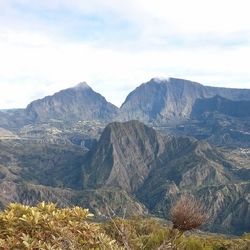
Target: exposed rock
171	101
73	104
157	168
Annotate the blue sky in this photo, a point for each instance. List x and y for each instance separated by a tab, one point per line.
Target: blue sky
115	45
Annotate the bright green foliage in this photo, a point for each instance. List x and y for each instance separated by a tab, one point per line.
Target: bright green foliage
48	227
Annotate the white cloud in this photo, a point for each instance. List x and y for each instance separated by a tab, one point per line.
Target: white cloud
200	16
35	62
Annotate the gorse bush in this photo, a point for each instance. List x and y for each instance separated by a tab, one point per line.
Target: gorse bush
48	227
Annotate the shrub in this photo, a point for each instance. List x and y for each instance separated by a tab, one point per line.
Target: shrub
187	214
137	233
48	227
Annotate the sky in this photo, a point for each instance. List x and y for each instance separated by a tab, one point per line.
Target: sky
115	45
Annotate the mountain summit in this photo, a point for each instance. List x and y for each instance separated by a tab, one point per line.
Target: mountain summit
78	103
171	104
164	101
82	85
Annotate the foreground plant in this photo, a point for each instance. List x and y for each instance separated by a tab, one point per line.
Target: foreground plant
187	214
48	227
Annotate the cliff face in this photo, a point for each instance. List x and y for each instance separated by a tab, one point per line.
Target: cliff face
157	168
123	156
171	101
129	155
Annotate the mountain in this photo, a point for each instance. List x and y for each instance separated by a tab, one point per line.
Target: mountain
14	119
33	171
171	101
157	102
157	168
131	168
181	107
220	121
219	115
122	157
220	105
79	103
73	104
59	149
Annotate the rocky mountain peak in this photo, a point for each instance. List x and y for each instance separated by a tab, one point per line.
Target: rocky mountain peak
123	156
172	80
159	79
73	104
82	85
170	101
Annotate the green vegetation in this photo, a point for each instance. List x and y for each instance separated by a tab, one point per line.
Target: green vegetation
151	233
48	227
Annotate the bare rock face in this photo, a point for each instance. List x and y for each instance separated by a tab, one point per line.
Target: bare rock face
123	157
73	104
157	168
129	155
171	101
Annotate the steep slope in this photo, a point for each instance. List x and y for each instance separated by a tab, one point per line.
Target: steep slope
41	163
123	156
157	168
220	105
98	201
73	104
130	167
31	172
14	119
130	154
171	101
220	121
